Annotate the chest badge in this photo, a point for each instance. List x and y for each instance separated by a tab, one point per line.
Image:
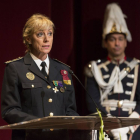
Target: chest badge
30	76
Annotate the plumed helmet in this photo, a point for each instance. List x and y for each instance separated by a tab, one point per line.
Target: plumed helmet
114	21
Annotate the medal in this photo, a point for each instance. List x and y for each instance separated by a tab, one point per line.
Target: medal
66	79
61	86
55	89
58	84
30	76
62	89
55	84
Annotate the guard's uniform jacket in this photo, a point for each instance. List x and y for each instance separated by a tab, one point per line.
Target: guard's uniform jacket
27	94
131	87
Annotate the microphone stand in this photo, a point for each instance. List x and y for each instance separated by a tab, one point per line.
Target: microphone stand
102	113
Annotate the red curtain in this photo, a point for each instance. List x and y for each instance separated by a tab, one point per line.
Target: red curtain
77	38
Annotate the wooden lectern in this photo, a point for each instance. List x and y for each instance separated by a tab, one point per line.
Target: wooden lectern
73	122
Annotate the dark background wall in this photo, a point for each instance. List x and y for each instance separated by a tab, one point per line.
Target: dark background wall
77	38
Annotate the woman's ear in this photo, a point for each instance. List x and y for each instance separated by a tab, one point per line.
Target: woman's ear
28	40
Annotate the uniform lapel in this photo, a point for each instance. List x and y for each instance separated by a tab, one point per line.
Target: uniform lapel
53	70
33	67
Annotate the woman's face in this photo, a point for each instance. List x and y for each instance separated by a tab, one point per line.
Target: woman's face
41	43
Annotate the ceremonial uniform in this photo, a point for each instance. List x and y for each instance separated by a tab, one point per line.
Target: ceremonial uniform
27	94
117	104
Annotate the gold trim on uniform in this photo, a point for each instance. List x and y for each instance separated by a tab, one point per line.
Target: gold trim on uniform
30	76
13	60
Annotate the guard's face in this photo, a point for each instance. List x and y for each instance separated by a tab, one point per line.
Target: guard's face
41	42
116	44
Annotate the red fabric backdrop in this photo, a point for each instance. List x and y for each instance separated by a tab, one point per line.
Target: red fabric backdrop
77	38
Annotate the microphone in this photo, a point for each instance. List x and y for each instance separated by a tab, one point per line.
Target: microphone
102	112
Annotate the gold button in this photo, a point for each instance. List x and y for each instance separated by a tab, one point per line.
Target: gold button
120	104
48	86
51	129
51	114
65	87
50	100
89	65
45	77
33	86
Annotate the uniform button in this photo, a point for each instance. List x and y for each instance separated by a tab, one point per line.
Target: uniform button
50	100
51	129
33	86
51	114
48	86
45	77
89	65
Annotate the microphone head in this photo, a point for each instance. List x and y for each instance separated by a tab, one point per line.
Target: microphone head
71	72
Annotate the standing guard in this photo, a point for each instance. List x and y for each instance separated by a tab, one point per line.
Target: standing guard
114	83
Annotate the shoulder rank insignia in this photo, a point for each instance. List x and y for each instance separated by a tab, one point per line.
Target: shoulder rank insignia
13	60
61	62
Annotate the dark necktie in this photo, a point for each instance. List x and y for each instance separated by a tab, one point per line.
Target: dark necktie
43	64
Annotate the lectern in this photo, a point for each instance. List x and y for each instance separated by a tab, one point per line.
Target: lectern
74	122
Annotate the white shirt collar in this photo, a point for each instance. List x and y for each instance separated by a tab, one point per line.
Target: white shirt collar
38	62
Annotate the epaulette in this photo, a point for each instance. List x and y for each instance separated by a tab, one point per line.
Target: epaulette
137	60
13	60
98	61
87	70
61	62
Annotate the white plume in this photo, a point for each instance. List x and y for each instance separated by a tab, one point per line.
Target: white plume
114	14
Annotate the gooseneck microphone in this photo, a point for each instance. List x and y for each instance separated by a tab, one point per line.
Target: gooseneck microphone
103	113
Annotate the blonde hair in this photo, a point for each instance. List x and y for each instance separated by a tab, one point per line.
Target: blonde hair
35	23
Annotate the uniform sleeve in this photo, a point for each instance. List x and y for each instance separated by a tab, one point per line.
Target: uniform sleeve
137	94
93	91
70	102
10	98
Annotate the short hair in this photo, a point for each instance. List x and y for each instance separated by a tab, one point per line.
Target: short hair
35	23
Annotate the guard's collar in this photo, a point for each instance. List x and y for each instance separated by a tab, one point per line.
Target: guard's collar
117	62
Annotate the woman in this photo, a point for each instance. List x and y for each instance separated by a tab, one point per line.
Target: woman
32	89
